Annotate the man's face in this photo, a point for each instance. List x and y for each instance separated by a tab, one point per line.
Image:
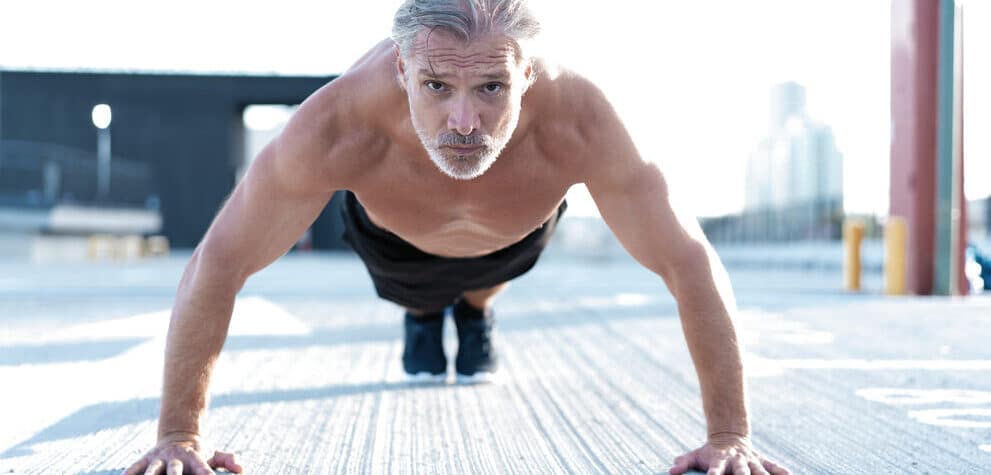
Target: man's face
464	99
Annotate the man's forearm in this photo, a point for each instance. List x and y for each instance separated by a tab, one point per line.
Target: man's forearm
706	305
200	319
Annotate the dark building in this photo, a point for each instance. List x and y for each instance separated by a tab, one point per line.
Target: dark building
177	141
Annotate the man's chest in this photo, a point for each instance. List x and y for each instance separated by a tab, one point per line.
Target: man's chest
412	198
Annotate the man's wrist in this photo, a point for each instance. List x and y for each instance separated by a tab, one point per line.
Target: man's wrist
728	438
738	426
180	436
729	433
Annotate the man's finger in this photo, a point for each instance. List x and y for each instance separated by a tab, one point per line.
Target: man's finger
682	464
137	467
740	466
718	469
757	469
155	467
199	467
774	468
224	460
174	468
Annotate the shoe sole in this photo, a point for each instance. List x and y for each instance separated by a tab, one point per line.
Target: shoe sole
424	377
481	377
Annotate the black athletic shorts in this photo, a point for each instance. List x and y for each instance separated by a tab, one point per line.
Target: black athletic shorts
415	279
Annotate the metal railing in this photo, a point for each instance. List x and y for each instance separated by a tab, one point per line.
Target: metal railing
38	174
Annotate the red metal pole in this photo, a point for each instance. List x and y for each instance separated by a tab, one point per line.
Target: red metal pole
914	61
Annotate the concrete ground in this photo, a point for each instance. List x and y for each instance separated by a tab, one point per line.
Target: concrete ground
596	374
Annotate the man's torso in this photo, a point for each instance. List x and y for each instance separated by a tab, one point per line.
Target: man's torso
404	192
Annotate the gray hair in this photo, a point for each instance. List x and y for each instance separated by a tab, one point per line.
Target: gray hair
468	19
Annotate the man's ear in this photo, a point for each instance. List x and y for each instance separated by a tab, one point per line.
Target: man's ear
400	67
529	74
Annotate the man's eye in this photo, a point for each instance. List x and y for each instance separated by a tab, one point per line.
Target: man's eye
434	86
493	88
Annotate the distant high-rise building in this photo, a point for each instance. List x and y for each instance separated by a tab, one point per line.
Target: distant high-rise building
797	161
796	172
979	219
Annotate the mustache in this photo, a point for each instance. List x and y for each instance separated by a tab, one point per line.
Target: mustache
462	140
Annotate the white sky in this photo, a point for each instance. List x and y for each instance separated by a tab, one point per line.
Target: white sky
690	77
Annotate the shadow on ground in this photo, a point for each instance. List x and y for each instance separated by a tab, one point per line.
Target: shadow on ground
65	352
110	415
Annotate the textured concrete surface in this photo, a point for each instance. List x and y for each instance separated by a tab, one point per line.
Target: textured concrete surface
596	374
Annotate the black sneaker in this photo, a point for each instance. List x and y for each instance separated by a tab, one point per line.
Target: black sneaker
476	360
423	355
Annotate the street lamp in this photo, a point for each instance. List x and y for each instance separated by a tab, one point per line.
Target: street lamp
101	119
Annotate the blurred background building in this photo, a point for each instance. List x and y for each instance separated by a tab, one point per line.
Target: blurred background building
794	179
92	152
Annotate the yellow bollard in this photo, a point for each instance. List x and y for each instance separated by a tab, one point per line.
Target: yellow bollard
99	246
130	247
117	249
895	244
853	235
157	246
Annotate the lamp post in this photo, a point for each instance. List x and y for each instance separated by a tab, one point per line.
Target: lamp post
101	119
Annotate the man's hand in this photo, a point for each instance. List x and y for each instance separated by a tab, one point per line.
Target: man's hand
178	455
727	454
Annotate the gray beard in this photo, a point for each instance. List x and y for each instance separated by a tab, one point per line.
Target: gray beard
465	167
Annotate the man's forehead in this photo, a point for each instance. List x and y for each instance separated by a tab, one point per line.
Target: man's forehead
442	52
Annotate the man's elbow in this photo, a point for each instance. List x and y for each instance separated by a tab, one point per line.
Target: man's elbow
690	262
214	266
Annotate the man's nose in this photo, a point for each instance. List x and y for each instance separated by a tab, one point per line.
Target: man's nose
463	118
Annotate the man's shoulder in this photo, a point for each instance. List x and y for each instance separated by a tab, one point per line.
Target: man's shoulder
341	123
568	107
359	95
560	87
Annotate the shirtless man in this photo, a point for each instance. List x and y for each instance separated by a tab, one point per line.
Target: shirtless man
457	148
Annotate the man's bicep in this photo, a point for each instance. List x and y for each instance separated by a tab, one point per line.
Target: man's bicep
288	184
267	212
631	193
640	213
